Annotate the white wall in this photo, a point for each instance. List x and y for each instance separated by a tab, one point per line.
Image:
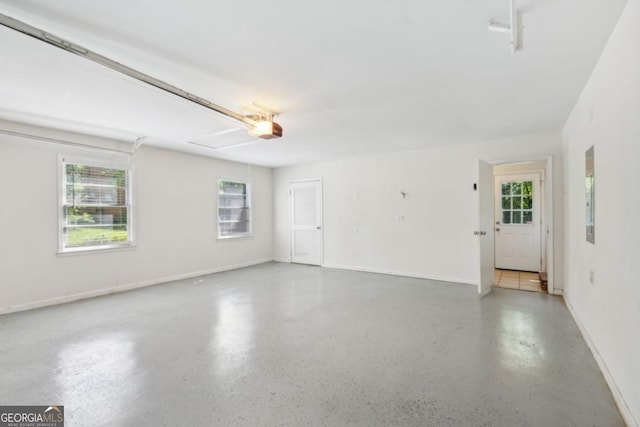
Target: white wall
175	223
436	240
607	116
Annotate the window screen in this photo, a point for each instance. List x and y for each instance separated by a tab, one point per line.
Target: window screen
234	208
96	207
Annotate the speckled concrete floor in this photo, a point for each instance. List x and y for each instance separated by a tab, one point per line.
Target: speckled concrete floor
291	345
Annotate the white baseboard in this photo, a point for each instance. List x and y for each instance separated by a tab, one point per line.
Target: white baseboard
404	274
286	260
626	413
127	287
558	292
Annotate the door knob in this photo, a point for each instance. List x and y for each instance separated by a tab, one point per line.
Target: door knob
318	227
497	229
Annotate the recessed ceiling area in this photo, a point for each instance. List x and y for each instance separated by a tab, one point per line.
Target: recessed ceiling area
350	78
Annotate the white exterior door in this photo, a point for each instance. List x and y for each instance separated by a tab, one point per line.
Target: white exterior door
484	232
306	222
517	222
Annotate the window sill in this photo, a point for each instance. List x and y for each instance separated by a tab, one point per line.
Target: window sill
244	236
97	249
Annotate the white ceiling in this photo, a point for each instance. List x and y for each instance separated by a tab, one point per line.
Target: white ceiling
351	78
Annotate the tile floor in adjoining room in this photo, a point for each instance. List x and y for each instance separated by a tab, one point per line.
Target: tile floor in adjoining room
523	280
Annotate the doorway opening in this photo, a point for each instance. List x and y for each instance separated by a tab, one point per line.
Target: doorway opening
520	231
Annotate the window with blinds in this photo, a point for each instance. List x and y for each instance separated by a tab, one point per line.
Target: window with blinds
234	208
96	207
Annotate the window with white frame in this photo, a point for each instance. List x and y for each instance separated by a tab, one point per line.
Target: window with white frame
234	208
96	206
517	202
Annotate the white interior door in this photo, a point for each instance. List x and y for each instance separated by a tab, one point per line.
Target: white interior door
306	222
517	222
484	233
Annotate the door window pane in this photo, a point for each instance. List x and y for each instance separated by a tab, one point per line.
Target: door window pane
506	217
527	217
506	203
517	217
517	203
